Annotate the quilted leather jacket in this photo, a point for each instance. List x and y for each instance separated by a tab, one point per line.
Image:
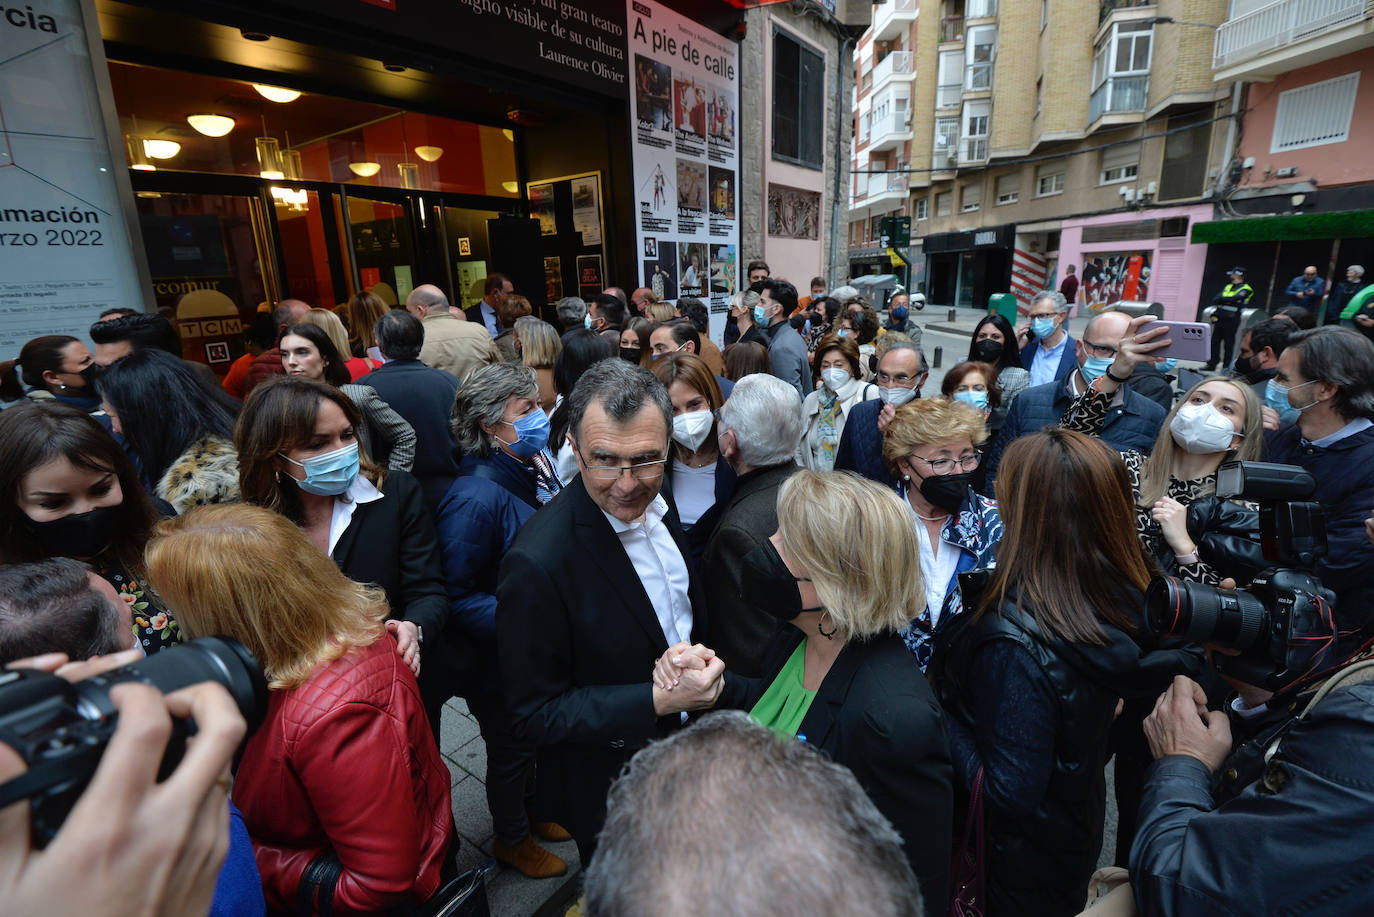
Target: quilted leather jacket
347	762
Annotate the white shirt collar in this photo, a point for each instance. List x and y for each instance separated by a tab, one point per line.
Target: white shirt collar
653	515
360	491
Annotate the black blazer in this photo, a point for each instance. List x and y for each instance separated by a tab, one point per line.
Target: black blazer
875	714
424	398
577	640
474	314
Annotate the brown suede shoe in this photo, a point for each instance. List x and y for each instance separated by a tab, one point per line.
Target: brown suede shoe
549	831
528	857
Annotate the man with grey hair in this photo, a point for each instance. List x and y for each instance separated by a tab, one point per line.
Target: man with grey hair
902	370
451	344
571	311
1047	350
593	590
60	606
760	424
1342	293
728	818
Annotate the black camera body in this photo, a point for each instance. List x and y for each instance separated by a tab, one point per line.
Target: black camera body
1283	624
61	728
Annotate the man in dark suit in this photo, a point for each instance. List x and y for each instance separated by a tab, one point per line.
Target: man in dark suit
760	425
423	396
593	591
901	373
1047	350
1133	420
494	292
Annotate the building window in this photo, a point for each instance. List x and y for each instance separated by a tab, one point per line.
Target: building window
946	140
922	208
951	79
981	9
1049	180
979	45
1008	188
1315	115
944	203
1119	163
1121	69
974	147
1184	173
798	102
1039	95
970	198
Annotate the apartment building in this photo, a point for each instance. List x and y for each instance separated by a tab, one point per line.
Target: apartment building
1055	133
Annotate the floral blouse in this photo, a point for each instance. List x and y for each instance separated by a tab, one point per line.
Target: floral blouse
1087	414
154	626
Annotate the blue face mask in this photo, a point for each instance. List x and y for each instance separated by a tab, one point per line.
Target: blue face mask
760	315
977	400
587	321
330	474
1042	327
531	434
899	314
1276	397
1166	365
1094	367
843	332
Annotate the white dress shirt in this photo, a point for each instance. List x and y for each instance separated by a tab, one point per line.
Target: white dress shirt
937	569
360	491
661	568
1045	363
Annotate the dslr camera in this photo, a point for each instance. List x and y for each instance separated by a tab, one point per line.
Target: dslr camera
61	728
1282	625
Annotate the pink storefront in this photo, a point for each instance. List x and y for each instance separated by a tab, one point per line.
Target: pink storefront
1137	255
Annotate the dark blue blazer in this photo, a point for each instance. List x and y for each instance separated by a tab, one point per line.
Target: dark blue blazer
861	445
1068	358
1132	425
424	397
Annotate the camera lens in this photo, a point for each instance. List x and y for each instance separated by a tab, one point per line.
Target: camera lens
1204	614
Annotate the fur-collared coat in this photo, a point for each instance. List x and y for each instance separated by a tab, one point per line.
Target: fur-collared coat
207	472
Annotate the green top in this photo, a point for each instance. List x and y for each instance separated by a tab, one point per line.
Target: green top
783	706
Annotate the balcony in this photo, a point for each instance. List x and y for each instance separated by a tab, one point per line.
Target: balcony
1106	7
952	28
899	65
1119	94
978	77
889	131
888	188
943	157
973	150
1287	34
893	19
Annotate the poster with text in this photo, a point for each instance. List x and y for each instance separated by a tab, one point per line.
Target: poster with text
686	156
65	252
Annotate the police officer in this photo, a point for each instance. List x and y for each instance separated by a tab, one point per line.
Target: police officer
1226	317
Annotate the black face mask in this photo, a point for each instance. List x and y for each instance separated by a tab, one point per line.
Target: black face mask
769	586
630	355
1245	365
987	351
83	535
948	491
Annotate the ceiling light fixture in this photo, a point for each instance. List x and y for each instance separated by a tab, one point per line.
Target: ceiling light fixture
429	153
365	169
276	93
161	149
211	125
393	68
269	159
138	156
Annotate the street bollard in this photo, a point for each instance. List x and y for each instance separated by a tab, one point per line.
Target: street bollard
950	317
939	357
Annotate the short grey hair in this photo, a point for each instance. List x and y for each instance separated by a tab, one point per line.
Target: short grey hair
432	298
845	293
765	414
623	390
1343	357
727	817
922	366
571	310
482	400
1054	296
1356	269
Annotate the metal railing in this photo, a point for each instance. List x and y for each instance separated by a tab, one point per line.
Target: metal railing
1278	24
898	63
1106	7
887	181
884	13
952	28
1119	93
947	95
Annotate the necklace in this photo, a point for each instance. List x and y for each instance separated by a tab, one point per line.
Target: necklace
932	518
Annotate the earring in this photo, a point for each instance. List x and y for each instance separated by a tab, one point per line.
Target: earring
277	476
820	628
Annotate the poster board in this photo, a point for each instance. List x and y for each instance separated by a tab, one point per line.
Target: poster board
571	216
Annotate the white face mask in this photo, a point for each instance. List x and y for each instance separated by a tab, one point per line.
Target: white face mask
1201	429
896	396
835	378
692	428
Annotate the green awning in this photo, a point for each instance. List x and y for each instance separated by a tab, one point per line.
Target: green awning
1346	224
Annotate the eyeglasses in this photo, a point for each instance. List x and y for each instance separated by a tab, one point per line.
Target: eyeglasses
643	471
966	462
1099	350
1035	315
901	379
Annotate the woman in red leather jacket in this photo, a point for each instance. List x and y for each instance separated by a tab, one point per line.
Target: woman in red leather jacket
345	762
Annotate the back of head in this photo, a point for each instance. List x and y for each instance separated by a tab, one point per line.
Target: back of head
611	308
683	332
1272	333
539	342
782	292
581	348
622	390
37	356
619	294
431	297
1299	316
764	414
48	606
364	309
1343	357
143	331
512	308
745	358
695	311
844	293
494	283
571	310
926	422
261	333
399	335
727	818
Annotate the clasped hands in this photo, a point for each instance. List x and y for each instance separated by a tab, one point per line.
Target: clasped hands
687	677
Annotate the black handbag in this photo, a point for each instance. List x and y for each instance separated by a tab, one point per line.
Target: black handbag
464	895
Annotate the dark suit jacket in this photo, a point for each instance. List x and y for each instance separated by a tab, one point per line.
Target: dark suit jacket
424	397
876	714
474	314
739	631
861	445
577	639
1068	357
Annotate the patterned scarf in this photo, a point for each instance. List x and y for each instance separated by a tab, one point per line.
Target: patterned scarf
826	433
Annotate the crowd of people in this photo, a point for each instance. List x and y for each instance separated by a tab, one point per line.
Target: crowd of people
927	608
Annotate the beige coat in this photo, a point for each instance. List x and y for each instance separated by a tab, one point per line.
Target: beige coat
456	346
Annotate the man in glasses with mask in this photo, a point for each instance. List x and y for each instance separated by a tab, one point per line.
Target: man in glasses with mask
1133	421
1047	350
901	373
593	590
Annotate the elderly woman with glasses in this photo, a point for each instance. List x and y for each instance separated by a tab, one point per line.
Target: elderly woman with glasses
931	448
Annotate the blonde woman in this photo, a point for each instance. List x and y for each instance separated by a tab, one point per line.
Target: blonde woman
333	326
539	346
661	312
838	574
343	770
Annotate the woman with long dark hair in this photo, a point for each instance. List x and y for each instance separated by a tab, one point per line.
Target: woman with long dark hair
55	366
1030	677
182	430
581	349
994	342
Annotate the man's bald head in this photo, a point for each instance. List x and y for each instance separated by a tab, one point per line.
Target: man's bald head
424	299
289	312
641	298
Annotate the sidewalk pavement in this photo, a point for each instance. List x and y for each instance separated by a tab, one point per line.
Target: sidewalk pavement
510	893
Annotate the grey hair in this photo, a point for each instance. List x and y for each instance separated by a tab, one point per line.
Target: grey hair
922	366
623	390
1358	269
1343	357
48	606
726	817
1054	296
482	400
433	299
571	310
745	299
765	414
845	293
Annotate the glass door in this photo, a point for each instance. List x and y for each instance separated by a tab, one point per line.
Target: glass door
382	236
